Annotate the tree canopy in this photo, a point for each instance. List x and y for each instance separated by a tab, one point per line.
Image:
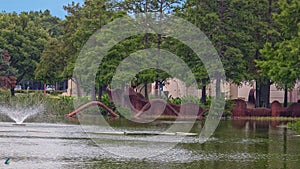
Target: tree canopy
256	40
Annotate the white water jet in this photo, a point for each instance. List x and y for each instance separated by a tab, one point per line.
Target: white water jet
20	113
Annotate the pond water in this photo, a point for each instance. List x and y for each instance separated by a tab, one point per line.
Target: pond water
235	144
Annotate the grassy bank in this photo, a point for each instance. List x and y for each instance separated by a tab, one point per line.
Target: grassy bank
269	118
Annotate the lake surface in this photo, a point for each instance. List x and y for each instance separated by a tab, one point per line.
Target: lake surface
235	144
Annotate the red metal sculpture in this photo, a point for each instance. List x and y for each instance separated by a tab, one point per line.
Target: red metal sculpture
140	106
93	103
240	110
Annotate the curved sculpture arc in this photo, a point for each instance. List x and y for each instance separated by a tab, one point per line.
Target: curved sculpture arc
93	103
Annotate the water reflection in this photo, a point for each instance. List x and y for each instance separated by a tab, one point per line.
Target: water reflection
235	144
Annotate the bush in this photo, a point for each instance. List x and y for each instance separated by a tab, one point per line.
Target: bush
59	105
4	96
105	99
185	99
51	92
229	104
28	99
192	99
295	125
176	100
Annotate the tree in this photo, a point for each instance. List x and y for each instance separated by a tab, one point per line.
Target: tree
80	24
265	31
238	30
49	69
24	37
218	20
161	7
51	64
281	59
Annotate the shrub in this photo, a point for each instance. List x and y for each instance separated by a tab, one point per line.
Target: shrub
25	99
295	125
176	100
227	110
51	92
4	96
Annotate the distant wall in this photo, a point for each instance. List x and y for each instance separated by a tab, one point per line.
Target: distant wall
275	94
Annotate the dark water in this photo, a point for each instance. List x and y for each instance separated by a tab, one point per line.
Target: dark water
235	144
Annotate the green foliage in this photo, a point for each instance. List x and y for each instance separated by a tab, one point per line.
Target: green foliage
25	100
59	106
106	101
82	21
256	40
49	69
176	100
213	19
56	106
281	60
281	64
4	96
228	108
295	125
125	112
51	92
191	99
121	50
141	6
190	58
24	35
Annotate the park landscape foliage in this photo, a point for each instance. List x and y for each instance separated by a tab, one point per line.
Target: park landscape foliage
257	40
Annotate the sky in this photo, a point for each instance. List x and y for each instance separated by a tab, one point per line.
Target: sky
55	6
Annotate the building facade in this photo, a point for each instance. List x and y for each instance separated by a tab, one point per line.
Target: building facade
176	88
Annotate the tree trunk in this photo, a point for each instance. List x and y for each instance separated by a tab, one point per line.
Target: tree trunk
157	87
257	94
146	35
265	84
218	88
93	93
12	91
285	102
123	95
203	96
45	85
218	80
65	85
146	90
56	86
147	42
265	94
100	91
77	87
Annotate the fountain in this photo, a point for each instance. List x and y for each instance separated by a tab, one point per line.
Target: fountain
22	106
20	113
